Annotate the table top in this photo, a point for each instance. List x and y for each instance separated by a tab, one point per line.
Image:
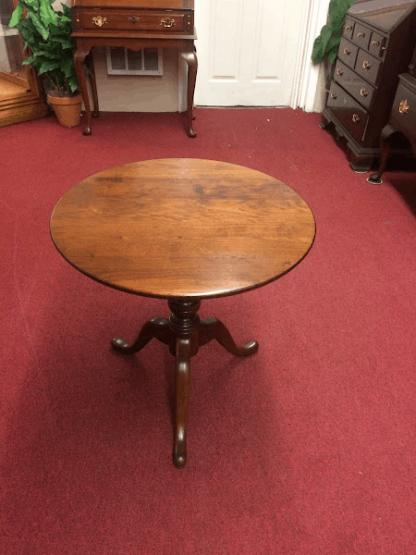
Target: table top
183	228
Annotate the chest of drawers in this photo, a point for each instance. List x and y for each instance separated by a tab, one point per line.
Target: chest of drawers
376	46
133	24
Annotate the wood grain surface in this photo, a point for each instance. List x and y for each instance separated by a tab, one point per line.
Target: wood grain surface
182	228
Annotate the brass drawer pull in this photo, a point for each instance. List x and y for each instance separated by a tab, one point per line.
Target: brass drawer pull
134	18
347	52
100	21
333	95
355	118
348	27
404	107
339	71
375	43
168	22
366	64
360	35
363	92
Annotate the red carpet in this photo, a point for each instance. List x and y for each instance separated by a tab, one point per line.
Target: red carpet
307	448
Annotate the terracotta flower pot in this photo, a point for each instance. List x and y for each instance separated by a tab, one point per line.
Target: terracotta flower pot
66	108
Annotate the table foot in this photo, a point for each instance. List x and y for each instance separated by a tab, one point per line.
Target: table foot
212	328
156	327
87	131
184	333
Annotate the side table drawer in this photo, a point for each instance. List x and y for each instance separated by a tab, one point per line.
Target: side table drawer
368	67
354	85
352	116
134	20
361	36
348	28
347	52
404	108
378	45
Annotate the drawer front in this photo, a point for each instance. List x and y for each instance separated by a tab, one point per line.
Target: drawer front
352	116
347	53
361	36
134	20
378	45
358	88
404	108
368	67
348	29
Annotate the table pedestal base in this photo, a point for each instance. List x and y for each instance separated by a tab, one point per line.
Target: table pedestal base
184	333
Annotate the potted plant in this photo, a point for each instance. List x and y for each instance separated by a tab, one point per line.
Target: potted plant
47	34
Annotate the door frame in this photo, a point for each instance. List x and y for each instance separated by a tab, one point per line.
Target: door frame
305	83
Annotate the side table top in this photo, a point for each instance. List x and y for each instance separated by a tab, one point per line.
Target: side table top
182	228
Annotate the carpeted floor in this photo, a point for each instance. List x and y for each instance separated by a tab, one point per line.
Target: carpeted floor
307	448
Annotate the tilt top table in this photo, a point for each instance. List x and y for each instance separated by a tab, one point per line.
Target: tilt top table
182	230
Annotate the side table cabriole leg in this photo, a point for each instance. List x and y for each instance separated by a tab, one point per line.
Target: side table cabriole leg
79	57
192	61
385	147
184	333
90	65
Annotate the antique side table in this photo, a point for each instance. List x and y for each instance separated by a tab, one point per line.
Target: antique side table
182	230
133	24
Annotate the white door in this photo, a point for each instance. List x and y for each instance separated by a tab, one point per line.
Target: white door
247	51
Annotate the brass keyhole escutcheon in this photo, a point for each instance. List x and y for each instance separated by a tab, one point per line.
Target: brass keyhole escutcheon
168	22
404	107
134	18
100	21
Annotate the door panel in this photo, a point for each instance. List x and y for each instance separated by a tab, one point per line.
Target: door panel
247	51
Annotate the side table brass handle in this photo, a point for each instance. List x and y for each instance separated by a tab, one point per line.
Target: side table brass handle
134	18
360	35
403	107
375	43
347	52
168	22
333	95
100	21
355	118
366	64
348	27
363	92
339	71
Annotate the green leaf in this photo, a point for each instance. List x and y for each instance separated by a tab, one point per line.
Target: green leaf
337	11
47	15
16	16
68	67
332	55
47	67
39	26
320	44
73	83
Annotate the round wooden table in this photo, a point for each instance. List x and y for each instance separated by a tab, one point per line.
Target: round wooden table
183	230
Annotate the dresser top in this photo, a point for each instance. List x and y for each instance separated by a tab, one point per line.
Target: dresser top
384	14
150	4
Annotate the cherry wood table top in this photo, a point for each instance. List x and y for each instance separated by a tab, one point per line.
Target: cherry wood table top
182	227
